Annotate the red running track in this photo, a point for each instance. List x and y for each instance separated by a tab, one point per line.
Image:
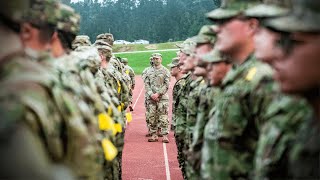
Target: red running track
143	160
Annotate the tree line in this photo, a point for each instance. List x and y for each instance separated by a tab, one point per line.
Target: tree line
153	20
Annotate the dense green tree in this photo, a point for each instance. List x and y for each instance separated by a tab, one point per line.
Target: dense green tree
153	20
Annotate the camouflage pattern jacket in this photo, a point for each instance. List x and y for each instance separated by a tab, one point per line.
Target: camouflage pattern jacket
157	81
175	94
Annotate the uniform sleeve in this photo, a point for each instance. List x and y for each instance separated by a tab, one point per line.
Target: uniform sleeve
148	88
132	75
164	89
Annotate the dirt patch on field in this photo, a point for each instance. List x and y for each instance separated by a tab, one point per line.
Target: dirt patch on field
125	49
152	46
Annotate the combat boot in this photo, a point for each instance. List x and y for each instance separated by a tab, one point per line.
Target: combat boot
148	135
159	133
154	138
165	139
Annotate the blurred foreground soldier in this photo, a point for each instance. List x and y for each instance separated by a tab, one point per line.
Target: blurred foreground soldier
130	72
157	85
271	160
248	94
81	40
80	126
297	71
23	99
176	72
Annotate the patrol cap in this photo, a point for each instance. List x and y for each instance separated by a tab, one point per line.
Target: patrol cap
304	17
107	37
188	49
68	19
13	10
187	42
42	13
157	55
81	40
174	63
231	8
205	35
101	43
214	56
269	9
124	60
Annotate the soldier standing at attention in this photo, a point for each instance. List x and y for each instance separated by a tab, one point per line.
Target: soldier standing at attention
176	72
157	85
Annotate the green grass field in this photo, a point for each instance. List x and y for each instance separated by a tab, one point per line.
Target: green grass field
139	61
144	47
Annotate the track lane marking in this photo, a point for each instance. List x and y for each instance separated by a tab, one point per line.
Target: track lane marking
166	162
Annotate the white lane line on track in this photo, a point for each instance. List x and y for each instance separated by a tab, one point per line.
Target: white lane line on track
166	162
138	98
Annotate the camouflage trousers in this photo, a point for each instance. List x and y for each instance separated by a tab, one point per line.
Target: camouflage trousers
181	156
130	96
157	115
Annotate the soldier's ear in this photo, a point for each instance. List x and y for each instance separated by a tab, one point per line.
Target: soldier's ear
26	32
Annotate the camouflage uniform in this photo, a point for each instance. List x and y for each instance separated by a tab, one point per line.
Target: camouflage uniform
301	158
144	76
175	91
180	120
157	81
75	112
30	120
192	109
129	71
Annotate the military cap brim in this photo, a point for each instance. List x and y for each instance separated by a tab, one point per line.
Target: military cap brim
214	56
292	23
172	65
266	11
221	13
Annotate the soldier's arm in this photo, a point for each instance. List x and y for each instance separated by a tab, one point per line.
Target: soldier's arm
132	75
148	88
163	90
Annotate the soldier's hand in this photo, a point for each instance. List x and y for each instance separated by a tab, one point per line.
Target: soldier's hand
155	97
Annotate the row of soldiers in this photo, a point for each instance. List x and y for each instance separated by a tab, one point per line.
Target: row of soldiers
63	100
246	99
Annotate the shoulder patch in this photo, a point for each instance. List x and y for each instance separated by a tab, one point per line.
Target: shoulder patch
251	73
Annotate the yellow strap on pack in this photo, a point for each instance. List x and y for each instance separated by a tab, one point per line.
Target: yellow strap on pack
119	108
118	127
122	105
129	116
119	87
252	72
105	122
110	111
127	72
110	151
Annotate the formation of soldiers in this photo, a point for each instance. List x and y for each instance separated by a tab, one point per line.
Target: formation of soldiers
63	100
246	99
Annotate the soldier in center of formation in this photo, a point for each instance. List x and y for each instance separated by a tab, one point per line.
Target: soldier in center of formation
157	81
